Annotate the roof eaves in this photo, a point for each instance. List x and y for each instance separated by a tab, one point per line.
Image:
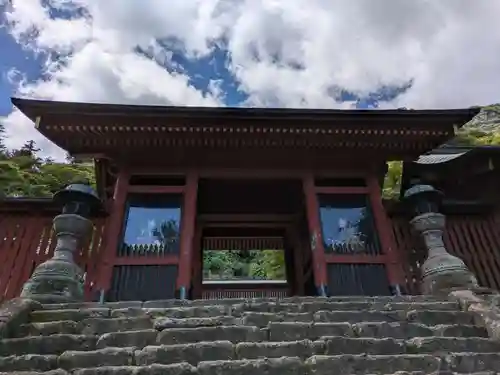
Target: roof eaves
55	107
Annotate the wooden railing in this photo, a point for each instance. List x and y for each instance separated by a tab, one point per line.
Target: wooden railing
27	239
245	289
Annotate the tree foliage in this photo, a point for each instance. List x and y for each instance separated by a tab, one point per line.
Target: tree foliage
252	264
24	174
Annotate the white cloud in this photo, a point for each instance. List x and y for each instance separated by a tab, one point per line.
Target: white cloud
20	130
292	53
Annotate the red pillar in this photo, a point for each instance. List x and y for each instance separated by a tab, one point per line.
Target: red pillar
316	241
384	227
187	235
113	229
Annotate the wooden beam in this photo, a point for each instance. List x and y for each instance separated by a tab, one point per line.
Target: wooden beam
184	275
251	173
147	189
383	225
246	218
355	259
316	242
147	260
341	190
274	174
113	229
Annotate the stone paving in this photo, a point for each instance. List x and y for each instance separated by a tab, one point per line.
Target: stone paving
293	336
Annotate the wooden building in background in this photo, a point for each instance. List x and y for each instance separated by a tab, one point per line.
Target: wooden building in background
177	182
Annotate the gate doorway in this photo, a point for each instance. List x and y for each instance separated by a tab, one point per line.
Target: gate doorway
248	260
251	239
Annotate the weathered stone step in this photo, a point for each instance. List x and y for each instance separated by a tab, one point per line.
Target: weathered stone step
193	311
406	330
288	331
262	319
76	315
54	344
190	312
276	332
102	324
318	364
132	318
98	326
419	363
233	334
428	317
127	329
438	345
277	308
176	369
314	306
48	328
164	323
52	372
28	362
140	339
233	301
336	338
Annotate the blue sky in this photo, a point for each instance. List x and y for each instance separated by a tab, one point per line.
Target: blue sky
280	53
12	57
200	71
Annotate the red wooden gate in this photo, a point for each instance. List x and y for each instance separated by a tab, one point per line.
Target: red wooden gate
372	268
26	240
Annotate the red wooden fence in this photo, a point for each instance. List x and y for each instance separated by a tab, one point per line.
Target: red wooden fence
473	238
27	239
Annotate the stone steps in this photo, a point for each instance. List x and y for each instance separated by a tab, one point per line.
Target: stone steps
454	363
58	344
349	319
340	335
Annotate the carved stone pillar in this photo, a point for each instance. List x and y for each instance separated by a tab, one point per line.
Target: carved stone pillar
60	279
441	271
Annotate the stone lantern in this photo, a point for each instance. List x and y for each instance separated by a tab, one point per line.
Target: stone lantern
60	279
441	271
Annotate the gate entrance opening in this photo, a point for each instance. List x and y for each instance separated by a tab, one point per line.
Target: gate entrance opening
248	243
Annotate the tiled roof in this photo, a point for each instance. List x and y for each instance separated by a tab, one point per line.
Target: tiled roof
438	158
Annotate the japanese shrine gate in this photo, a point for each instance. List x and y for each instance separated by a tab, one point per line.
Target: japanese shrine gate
176	182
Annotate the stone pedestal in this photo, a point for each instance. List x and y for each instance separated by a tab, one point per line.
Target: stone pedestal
60	279
441	271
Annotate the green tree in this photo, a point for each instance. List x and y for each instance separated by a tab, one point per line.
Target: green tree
3	149
269	264
392	180
167	233
24	174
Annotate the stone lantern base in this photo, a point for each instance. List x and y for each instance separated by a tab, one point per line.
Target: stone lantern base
55	281
441	271
445	272
60	279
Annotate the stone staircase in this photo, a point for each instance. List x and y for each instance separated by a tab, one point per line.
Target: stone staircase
293	336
